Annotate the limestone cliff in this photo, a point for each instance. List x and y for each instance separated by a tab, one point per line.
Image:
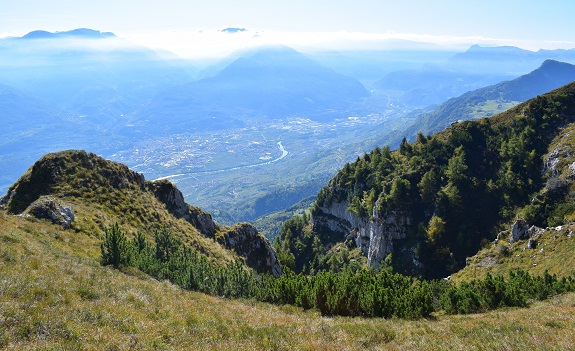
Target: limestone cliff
373	236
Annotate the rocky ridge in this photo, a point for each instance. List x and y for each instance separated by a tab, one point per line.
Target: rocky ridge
54	184
245	240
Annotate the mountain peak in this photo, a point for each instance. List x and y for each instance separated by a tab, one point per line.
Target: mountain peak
233	30
58	171
84	33
554	63
494	49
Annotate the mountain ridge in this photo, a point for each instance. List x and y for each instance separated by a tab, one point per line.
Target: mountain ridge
77	33
84	181
550	75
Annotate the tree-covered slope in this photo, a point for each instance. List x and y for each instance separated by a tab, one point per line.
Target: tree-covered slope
426	207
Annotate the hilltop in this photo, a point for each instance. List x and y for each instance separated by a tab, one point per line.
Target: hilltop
87	193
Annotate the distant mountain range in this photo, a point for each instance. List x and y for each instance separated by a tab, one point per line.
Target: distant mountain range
84	33
268	82
477	67
550	75
91	73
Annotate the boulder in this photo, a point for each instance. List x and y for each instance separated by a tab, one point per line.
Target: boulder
52	209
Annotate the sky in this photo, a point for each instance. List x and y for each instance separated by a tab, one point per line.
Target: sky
192	28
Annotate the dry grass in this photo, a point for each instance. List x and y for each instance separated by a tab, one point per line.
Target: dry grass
55	296
554	253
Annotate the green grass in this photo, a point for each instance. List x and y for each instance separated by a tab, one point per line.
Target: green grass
54	295
554	253
490	108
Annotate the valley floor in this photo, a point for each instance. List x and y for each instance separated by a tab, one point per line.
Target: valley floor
54	295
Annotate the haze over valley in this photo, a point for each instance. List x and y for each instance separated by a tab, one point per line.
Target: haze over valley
214	129
309	175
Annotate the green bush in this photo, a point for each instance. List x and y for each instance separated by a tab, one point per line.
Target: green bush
115	248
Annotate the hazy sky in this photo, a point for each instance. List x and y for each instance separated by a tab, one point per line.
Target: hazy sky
188	27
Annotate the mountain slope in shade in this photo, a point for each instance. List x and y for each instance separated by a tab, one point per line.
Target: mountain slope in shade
29	125
270	82
550	75
19	107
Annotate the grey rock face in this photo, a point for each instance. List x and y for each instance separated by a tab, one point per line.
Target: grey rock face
50	208
173	198
519	231
373	236
245	240
4	200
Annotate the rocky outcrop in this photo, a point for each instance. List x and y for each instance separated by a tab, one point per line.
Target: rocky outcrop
5	199
373	236
520	230
52	209
173	198
245	241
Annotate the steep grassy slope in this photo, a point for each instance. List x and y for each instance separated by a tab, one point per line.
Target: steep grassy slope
102	193
553	252
54	295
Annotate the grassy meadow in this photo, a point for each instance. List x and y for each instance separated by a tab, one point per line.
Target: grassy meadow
54	295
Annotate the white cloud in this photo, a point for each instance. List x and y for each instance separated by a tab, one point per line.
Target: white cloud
214	43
